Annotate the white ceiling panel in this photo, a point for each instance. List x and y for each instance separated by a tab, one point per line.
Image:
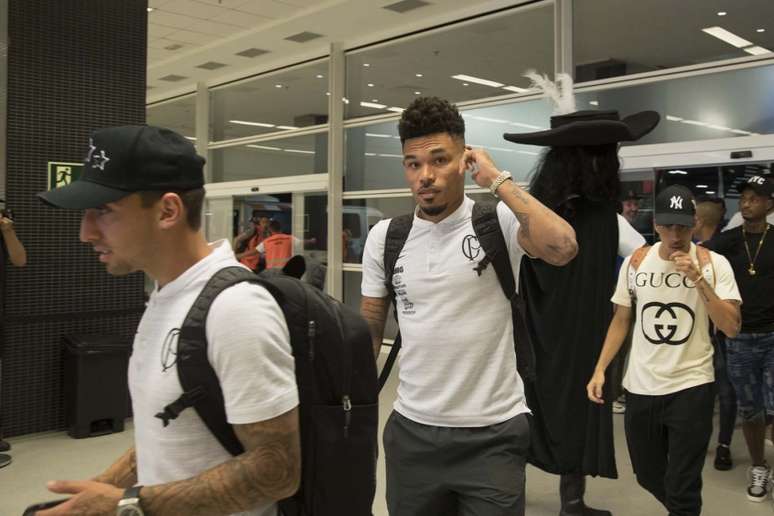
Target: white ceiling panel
217	29
193	38
192	8
242	19
157	3
159	31
229	4
171	19
270	8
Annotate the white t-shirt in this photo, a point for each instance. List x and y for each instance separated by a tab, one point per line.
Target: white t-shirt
457	363
248	345
628	237
671	347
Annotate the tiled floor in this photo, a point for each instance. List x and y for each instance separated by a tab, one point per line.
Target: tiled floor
56	456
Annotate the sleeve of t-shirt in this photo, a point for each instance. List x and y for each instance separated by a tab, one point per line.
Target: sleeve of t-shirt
725	282
249	348
261	248
509	225
628	238
373	261
621	295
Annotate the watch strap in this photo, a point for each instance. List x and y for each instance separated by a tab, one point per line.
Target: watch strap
132	492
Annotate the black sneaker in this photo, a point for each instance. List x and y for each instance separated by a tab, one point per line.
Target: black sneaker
723	460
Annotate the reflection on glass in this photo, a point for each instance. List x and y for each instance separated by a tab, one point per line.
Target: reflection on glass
720	105
279	101
178	115
479	59
374	154
277	158
681	33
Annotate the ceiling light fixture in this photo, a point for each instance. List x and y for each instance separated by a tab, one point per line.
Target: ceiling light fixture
264	147
465	84
419	75
678	172
245	122
722	13
515	89
278	85
674	118
417	93
760	30
757	51
710	192
374	100
594	102
729	37
319	76
477	80
396	109
287	127
151	9
702	186
299	151
366	65
373	105
693	122
345	100
370	85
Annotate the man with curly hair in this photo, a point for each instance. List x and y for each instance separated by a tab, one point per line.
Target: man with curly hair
457	440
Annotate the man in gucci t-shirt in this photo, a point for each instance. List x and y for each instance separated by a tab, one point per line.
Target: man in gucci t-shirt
750	355
673	290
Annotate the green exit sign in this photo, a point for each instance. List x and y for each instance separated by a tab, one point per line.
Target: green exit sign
62	174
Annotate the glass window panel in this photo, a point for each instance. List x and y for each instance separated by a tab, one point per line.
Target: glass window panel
294	156
720	105
283	100
496	48
374	154
609	40
178	115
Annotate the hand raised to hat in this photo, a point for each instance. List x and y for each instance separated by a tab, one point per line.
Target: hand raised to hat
685	264
483	169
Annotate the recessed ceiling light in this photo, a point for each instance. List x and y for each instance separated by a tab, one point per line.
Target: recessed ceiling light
374	100
287	127
245	122
151	9
757	51
727	36
722	13
477	80
373	105
419	75
345	100
710	192
417	93
760	30
328	93
465	84
265	147
366	65
594	102
278	85
702	186
299	151
674	118
370	85
319	76
678	172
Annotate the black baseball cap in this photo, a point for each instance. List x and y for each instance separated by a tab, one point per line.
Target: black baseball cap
762	186
675	205
127	159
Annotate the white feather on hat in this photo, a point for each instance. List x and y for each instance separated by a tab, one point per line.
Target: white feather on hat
559	92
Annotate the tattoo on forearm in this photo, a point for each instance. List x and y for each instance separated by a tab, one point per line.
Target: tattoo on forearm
520	194
374	311
269	470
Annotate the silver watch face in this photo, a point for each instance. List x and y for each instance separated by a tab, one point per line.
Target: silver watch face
131	509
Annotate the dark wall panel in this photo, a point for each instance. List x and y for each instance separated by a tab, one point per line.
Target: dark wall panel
73	66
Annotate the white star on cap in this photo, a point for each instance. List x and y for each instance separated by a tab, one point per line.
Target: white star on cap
104	159
92	148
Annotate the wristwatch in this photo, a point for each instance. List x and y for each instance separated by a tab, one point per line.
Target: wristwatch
503	177
129	505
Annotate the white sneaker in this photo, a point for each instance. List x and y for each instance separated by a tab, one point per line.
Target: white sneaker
760	482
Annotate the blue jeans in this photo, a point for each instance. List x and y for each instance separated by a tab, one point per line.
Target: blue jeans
751	371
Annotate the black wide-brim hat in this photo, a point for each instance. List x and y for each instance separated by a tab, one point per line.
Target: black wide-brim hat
590	128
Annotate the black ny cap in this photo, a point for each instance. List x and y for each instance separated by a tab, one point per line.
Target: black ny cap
762	186
128	159
675	205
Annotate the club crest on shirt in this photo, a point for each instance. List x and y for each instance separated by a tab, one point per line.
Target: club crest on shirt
169	350
471	247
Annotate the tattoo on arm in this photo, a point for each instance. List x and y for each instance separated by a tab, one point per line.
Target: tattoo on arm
268	470
123	472
374	311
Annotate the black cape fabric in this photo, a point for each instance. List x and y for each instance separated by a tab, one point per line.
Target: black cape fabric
569	311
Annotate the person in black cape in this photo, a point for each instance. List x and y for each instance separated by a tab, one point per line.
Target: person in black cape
569	307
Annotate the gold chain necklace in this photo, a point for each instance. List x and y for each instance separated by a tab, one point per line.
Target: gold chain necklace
751	269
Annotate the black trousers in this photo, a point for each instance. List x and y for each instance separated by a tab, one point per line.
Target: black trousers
726	394
668	438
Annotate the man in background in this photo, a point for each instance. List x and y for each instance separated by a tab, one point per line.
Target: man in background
256	234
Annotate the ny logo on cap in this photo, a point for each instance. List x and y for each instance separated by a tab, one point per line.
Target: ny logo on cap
98	160
676	202
756	179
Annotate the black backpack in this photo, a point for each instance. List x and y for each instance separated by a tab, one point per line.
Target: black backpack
487	229
337	388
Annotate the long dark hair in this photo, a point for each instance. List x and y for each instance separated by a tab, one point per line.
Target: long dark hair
566	173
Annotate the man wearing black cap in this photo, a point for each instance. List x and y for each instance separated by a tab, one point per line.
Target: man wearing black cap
674	289
142	192
750	355
578	178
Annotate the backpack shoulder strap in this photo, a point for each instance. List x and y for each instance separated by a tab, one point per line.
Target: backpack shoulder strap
638	255
490	236
397	234
706	265
201	387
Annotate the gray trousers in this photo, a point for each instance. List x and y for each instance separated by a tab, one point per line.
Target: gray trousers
449	471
